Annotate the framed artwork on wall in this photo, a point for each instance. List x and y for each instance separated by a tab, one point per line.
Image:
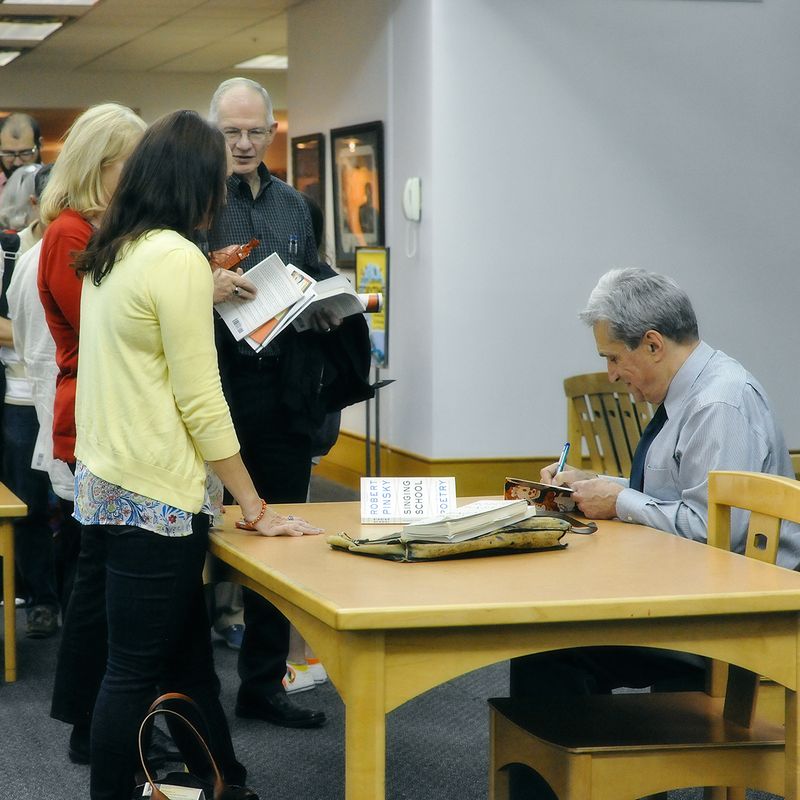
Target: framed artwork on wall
357	161
308	166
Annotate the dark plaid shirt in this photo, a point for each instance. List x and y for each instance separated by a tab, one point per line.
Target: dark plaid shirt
278	217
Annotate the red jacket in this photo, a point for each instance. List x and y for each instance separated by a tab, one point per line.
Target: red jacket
60	292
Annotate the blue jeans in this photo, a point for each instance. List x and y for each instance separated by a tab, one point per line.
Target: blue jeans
158	641
33	539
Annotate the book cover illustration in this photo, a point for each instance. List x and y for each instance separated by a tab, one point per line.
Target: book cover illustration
541	495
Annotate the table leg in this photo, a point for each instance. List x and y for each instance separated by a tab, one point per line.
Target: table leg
792	758
363	692
9	601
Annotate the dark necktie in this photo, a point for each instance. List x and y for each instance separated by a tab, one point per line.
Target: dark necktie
649	433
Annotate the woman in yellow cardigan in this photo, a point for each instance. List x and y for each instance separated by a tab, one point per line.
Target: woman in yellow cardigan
149	412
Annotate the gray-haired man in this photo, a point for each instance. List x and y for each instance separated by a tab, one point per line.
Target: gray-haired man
711	415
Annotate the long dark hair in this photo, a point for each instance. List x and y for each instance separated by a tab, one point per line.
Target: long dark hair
174	179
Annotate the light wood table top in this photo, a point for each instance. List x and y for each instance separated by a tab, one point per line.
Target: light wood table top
623	571
10	504
388	631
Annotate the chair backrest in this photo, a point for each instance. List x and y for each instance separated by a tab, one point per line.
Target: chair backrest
770	500
607	419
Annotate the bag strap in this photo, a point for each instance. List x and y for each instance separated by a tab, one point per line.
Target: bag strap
583	527
152	712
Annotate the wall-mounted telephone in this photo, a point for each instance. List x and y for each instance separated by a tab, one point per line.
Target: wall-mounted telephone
412	205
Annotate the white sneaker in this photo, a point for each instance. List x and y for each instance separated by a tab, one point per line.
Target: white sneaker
317	670
297	678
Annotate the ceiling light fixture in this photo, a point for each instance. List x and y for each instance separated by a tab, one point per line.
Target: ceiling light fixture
27	31
265	62
7	56
48	2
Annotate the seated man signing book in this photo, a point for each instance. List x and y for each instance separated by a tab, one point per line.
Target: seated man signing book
711	415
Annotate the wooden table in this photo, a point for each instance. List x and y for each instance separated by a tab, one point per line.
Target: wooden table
10	507
388	632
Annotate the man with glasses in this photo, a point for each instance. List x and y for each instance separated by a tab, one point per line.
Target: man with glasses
20	143
274	394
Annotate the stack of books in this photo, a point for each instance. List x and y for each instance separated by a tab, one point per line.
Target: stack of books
427	509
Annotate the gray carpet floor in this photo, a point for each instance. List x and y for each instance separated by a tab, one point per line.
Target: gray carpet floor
437	744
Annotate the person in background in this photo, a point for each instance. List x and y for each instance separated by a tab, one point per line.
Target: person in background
288	383
81	184
20	144
140	473
269	393
33	538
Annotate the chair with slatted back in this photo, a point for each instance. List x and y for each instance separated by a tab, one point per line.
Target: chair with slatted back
607	419
631	745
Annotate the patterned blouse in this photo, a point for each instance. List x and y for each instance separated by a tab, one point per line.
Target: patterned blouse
98	502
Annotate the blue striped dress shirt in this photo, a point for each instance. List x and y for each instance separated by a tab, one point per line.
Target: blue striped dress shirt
719	418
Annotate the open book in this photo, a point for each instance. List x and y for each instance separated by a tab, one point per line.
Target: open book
466	522
336	296
286	295
276	289
461	524
264	334
543	495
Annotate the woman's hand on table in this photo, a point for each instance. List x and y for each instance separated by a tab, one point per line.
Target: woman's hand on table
274	524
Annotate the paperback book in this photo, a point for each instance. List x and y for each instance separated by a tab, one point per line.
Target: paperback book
394	501
542	495
467	522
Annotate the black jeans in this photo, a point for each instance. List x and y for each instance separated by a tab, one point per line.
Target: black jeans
83	651
158	640
279	462
33	538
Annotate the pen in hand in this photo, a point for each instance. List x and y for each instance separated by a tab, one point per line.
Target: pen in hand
563	460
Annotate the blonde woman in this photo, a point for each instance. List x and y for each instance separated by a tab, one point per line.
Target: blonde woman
81	185
82	182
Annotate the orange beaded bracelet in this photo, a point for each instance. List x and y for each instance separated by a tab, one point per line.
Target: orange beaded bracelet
250	524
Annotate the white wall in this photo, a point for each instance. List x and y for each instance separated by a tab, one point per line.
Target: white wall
557	139
152	94
572	136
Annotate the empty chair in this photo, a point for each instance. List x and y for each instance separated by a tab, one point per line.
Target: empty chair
607	418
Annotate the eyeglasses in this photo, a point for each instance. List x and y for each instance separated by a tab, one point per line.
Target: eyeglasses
28	152
255	135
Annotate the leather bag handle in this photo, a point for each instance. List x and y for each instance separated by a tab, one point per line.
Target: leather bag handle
152	712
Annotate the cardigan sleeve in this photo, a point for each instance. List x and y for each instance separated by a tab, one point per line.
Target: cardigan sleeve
182	291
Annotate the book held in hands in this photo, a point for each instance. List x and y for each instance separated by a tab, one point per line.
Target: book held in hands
336	296
542	495
288	296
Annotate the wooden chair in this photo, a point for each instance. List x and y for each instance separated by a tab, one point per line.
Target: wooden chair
795	454
10	507
607	418
632	745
